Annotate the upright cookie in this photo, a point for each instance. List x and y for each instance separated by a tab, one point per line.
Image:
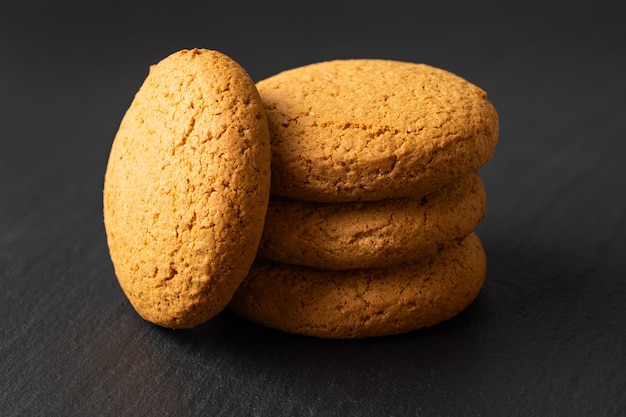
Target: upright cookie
186	188
364	130
363	302
382	233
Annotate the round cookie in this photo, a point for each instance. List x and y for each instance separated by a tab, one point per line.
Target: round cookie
382	233
367	129
363	302
186	188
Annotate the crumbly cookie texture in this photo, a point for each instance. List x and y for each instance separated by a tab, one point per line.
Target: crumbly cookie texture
383	233
363	302
367	129
186	188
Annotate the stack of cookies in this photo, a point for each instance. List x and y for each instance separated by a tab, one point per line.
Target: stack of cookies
336	200
375	199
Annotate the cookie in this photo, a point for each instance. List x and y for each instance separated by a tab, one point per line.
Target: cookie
368	129
363	302
383	233
186	188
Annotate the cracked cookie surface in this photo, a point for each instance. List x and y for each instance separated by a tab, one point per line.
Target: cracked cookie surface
186	188
363	302
382	233
368	129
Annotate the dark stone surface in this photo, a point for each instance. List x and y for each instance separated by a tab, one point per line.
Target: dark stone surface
546	336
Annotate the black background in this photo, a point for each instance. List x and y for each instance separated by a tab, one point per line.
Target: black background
546	336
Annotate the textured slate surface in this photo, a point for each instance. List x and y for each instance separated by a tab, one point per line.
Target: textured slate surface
546	336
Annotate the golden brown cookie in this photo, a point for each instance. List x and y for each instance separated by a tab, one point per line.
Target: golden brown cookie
382	233
367	129
363	302
187	187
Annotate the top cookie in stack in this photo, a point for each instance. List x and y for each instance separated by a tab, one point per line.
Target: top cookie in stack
375	198
366	130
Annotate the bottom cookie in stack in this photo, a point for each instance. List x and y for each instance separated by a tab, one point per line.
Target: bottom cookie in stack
366	302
